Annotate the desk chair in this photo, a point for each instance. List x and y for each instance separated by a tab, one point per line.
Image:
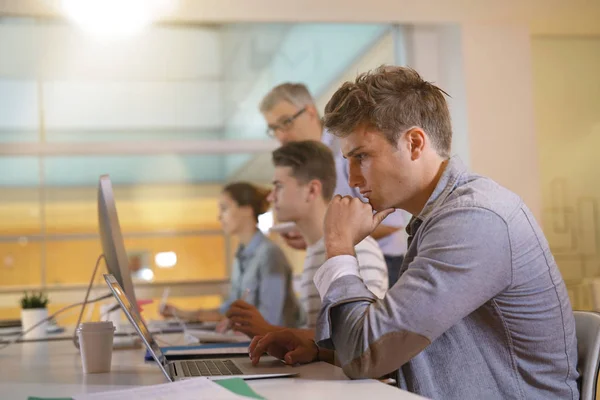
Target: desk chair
587	327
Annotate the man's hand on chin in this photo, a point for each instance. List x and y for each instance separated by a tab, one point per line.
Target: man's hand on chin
348	221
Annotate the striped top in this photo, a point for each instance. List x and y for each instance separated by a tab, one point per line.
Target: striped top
372	269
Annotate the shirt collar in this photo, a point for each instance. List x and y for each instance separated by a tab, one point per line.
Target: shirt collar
446	185
250	249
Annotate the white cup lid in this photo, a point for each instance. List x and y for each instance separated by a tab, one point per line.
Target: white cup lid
99	326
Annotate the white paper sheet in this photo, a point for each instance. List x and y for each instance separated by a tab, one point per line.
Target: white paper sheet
216	337
191	389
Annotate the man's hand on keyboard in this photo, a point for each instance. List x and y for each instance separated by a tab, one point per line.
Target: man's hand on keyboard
288	345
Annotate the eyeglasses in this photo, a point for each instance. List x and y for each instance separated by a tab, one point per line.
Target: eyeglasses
285	124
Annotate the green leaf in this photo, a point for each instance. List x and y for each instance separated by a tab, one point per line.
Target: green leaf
34	300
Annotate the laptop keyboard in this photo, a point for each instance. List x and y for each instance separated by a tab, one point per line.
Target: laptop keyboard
210	368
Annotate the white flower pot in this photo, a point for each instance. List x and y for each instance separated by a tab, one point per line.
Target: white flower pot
30	317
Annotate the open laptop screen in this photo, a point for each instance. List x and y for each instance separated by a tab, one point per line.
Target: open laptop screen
134	316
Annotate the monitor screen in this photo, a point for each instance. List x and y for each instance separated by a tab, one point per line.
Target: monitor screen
112	238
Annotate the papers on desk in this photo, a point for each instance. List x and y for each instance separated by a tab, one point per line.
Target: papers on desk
170	325
216	337
191	389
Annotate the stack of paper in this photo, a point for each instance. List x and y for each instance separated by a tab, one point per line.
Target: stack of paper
191	389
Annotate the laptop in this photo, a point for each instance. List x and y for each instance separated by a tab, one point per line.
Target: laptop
192	367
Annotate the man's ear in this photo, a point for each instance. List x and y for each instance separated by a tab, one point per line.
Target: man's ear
315	190
416	139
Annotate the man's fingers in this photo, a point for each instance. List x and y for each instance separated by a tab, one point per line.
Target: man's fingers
380	216
260	347
263	344
296	356
344	200
253	343
251	349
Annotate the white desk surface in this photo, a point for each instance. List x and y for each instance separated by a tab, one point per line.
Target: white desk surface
53	369
155	327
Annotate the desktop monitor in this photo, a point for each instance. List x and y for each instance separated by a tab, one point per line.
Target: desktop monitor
112	239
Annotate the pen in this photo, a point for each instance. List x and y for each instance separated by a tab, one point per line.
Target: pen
163	301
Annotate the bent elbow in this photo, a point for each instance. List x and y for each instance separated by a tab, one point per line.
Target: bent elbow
386	355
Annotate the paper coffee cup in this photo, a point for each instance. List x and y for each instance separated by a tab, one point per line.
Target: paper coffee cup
96	344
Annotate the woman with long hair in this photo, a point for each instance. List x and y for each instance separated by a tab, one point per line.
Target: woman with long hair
261	274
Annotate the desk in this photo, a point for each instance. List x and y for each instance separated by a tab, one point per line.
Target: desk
124	330
54	369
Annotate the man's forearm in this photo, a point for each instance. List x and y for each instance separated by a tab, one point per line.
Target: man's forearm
305	333
345	326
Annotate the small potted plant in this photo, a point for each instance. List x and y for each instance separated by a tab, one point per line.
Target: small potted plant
33	311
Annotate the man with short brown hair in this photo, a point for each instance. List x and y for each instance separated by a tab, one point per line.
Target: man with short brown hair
480	310
303	185
291	115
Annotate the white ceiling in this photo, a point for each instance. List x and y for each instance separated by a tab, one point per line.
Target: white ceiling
59	51
543	16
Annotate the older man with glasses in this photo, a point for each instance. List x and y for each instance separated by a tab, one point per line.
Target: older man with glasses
292	116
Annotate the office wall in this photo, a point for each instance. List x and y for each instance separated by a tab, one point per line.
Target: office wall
486	69
499	98
566	83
